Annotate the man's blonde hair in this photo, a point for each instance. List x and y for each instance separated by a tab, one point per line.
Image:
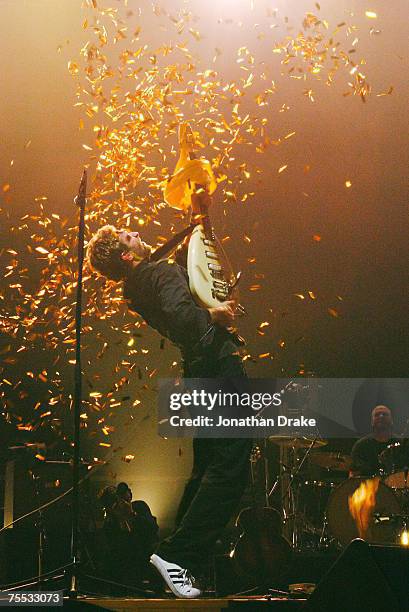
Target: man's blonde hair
104	253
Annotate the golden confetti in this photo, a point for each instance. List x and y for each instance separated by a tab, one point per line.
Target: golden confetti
128	458
73	68
333	312
385	93
132	94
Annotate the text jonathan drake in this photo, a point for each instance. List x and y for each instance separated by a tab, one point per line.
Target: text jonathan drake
249	421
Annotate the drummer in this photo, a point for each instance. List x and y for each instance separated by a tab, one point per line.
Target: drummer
366	450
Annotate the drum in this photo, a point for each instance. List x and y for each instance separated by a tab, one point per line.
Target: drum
398	480
312	500
395	462
342	525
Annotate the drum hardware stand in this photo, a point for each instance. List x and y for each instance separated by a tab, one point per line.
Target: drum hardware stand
289	471
325	540
389	518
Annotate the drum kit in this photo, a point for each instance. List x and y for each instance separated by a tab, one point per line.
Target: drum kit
316	509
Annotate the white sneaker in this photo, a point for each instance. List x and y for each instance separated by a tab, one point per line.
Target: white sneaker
178	579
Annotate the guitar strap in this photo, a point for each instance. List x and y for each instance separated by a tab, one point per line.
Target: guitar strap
171	244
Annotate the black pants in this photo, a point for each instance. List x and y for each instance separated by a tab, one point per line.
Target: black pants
218	479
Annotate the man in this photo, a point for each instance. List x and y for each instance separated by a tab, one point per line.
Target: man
130	532
159	292
366	451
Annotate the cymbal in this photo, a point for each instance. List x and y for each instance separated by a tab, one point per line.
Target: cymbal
297	442
28	445
332	461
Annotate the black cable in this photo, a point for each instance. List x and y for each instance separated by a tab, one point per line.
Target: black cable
32	579
47	504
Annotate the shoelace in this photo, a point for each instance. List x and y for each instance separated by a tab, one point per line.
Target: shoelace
186	576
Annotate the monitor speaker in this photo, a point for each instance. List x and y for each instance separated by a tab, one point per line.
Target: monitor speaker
364	578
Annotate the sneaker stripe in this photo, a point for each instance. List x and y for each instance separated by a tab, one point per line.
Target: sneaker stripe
177	579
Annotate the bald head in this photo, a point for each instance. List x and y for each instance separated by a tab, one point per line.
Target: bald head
381	419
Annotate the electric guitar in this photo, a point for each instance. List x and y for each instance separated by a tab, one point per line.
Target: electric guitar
211	278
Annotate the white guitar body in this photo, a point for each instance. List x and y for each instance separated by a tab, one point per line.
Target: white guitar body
206	274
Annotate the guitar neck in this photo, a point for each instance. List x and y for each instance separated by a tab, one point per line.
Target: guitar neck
205	219
204	209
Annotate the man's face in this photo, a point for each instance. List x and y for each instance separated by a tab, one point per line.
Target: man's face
134	243
381	418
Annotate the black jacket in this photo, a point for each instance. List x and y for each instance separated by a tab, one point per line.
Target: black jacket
159	292
365	455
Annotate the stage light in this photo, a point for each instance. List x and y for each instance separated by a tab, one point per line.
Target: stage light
404	537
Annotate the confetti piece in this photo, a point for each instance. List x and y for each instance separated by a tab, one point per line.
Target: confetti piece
333	312
371	14
73	68
128	458
385	93
348	184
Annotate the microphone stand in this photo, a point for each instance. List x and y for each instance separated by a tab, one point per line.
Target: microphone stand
80	201
71	570
74	573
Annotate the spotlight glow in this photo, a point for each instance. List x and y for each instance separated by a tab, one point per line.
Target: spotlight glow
404	537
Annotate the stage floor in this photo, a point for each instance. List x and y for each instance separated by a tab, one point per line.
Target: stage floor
182	605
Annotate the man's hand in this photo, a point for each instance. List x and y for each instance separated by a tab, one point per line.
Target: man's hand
224	314
197	199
